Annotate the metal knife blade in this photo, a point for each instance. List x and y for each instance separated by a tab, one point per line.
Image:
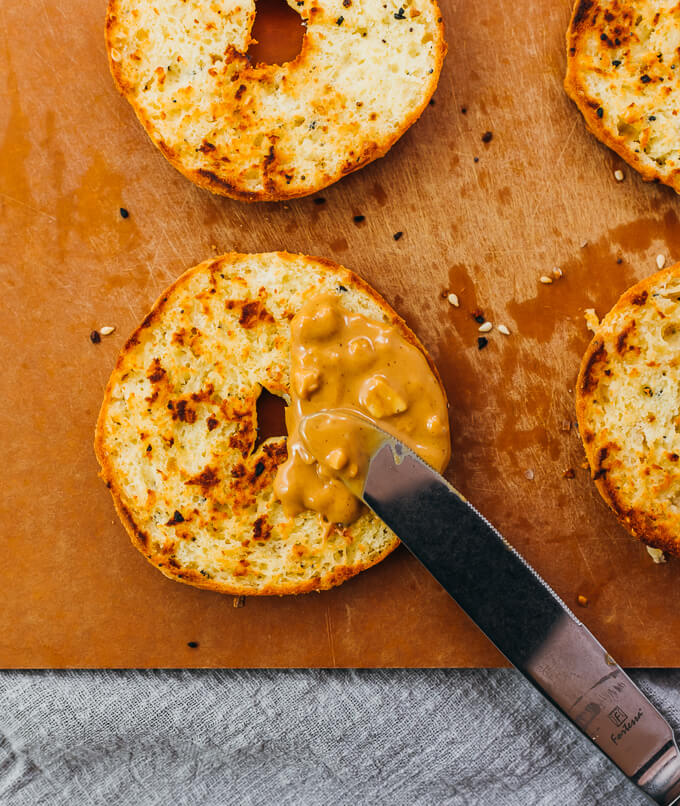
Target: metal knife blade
522	615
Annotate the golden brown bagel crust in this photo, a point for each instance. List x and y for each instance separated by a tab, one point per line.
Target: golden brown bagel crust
623	73
364	75
178	424
628	409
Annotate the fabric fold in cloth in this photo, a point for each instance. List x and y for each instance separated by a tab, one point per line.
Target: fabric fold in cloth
457	737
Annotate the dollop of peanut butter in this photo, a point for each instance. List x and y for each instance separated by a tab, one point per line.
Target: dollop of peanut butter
343	360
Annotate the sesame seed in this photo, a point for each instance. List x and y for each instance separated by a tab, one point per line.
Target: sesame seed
529	474
557	272
584	244
545	279
504	330
485	328
107	330
618	175
661	261
115	55
453	299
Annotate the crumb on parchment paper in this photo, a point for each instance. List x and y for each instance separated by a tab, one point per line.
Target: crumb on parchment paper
592	320
656	554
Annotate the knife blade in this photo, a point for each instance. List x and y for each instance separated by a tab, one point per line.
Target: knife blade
519	612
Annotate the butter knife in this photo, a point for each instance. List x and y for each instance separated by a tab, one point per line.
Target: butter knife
520	613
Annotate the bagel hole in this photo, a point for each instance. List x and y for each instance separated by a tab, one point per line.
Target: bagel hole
279	33
271	417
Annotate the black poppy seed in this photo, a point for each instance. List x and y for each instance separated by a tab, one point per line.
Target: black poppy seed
359	218
342	288
603	37
476	159
600	112
259	469
124	213
463	110
616	62
645	79
431	101
339	20
148	448
482	341
487	137
652	117
192	644
95	338
178	517
400	15
319	200
397	235
479	319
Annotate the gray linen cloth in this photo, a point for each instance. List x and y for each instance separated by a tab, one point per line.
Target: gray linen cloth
461	737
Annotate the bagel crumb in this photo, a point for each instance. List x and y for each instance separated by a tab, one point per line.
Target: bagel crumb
582	600
592	319
656	554
569	473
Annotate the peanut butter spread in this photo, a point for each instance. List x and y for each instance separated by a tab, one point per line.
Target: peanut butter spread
343	360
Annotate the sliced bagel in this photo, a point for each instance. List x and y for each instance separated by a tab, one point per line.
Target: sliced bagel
366	71
176	432
623	72
628	407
